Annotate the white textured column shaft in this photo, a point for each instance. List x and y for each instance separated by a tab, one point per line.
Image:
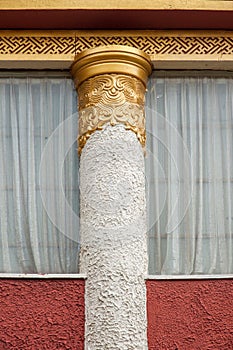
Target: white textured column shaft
113	240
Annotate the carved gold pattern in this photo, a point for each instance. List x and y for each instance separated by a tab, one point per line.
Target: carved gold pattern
114	89
43	45
111	99
111	83
152	44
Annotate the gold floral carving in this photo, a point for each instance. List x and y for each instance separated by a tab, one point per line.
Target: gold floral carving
111	83
111	99
111	89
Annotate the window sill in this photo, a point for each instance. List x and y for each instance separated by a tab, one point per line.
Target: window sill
189	277
43	276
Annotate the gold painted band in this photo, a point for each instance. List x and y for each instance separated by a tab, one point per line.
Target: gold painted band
110	59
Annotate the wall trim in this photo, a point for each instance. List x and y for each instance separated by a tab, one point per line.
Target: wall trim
167	49
189	277
45	276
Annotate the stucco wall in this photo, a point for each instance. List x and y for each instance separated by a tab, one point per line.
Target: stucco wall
190	315
182	315
41	314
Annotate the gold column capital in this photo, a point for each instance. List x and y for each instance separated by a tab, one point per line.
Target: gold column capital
111	83
111	59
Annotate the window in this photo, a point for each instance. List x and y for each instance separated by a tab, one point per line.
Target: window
189	167
31	108
189	173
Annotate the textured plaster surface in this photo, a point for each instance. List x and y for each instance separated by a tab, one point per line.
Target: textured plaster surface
41	314
190	315
113	240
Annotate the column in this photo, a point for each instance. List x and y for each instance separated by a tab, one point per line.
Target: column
111	83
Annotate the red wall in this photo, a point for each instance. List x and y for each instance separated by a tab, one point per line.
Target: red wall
41	314
182	315
190	315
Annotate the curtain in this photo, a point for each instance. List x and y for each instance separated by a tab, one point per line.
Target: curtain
189	173
31	108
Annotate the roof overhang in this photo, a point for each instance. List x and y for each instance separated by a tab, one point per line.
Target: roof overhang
112	14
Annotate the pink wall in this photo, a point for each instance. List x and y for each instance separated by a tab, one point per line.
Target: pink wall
190	315
41	314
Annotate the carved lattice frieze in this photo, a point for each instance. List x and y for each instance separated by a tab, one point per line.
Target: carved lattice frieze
151	44
163	44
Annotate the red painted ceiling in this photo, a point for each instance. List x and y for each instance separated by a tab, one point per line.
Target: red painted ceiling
116	19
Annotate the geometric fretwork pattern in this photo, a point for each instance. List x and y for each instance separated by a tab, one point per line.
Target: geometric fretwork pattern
151	44
36	45
163	45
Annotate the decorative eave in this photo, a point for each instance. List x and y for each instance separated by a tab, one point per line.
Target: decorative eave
167	49
111	14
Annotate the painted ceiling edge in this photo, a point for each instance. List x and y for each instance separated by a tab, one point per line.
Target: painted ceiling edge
116	19
145	14
119	5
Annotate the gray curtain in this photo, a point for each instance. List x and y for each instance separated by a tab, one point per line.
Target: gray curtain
189	170
31	108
